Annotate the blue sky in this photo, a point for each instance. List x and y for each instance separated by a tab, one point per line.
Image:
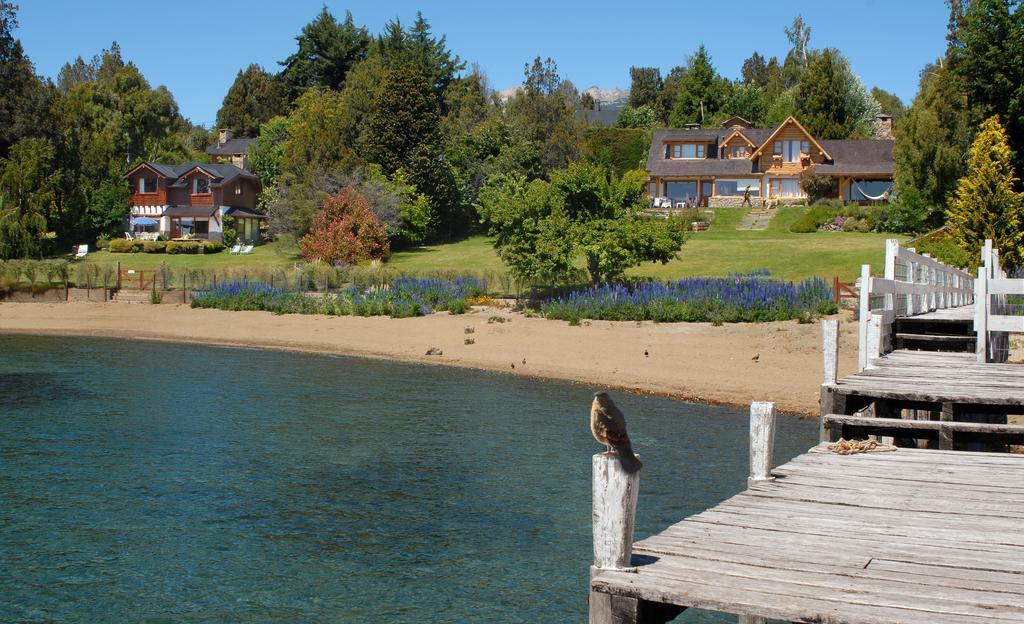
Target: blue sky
197	52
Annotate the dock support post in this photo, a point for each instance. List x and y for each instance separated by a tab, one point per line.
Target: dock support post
614	513
762	441
752	619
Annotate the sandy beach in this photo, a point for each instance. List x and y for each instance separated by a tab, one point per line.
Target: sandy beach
729	364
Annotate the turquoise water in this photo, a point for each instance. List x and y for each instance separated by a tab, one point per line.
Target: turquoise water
147	482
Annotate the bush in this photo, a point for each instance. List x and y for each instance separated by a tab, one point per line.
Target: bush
155	247
212	247
182	247
102	241
345	229
818	187
123	245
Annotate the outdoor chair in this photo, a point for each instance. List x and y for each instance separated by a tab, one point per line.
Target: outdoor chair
81	251
246	250
129	236
236	248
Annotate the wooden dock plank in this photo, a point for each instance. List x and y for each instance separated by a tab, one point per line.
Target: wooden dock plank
877	537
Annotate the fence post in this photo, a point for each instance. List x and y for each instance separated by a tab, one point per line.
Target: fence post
865	313
892	256
762	441
614	513
981	314
119	275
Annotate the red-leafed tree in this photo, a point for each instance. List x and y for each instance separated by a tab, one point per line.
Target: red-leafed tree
345	229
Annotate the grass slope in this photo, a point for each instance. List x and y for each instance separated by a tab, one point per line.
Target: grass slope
262	257
719	251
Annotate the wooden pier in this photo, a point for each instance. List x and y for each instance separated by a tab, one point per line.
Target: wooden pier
925	530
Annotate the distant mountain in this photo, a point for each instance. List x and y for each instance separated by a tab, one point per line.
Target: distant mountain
609	103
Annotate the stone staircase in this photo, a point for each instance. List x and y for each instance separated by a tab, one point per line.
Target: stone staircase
757	219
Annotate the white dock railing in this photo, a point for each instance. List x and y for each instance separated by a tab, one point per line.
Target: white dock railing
993	317
913	284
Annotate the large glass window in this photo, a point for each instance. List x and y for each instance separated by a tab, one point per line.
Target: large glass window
688	150
790	150
738	151
736	188
785	187
200	184
870	190
682	191
147	184
202	227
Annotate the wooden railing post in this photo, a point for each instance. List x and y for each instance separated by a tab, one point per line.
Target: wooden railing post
614	513
830	350
865	314
981	302
892	252
762	441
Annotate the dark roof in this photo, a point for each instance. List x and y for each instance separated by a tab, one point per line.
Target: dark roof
190	211
235	211
232	146
867	156
220	172
703	166
757	136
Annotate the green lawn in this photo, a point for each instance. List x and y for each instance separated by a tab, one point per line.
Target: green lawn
263	257
719	251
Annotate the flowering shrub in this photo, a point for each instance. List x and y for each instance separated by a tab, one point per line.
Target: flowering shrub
345	229
738	298
406	296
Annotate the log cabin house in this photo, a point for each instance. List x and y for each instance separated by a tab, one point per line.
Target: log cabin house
191	200
714	166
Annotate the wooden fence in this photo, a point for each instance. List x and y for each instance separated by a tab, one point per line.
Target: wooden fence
913	284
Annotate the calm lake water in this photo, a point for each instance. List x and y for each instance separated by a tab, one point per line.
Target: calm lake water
147	482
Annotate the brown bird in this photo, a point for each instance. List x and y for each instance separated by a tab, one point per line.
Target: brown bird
609	428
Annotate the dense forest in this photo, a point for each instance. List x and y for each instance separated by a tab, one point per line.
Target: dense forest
435	153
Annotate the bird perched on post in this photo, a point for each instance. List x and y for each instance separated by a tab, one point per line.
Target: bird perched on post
609	428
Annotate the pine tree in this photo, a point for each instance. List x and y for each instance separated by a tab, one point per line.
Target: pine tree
253	99
985	204
701	92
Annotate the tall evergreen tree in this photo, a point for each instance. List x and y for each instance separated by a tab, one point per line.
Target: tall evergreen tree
986	204
701	91
23	97
253	99
755	71
821	97
327	51
645	82
889	103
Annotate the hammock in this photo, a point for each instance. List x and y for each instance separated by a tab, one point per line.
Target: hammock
883	196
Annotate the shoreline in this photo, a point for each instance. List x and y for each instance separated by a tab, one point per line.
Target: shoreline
779	361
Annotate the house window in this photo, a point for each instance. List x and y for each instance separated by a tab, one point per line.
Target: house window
735	188
200	185
738	151
870	190
785	187
685	191
790	150
147	184
202	227
688	150
238	188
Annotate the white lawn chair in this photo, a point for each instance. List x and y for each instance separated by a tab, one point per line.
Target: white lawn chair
246	250
129	236
236	248
81	251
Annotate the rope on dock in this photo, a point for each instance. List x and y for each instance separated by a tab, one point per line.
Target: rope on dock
851	447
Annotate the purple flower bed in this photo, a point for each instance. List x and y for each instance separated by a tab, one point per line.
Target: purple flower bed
752	297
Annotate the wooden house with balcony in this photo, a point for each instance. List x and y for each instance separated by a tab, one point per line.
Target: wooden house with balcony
230	149
720	166
191	200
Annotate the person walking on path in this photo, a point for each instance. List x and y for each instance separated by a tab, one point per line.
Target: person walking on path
746	197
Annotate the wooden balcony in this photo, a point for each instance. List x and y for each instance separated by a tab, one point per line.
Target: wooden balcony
202	199
158	198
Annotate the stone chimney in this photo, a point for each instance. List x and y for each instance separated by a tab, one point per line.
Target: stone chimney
224	135
883	128
692	126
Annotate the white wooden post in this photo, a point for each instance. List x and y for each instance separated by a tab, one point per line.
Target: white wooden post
892	256
762	441
874	339
615	492
865	313
614	514
981	314
830	349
